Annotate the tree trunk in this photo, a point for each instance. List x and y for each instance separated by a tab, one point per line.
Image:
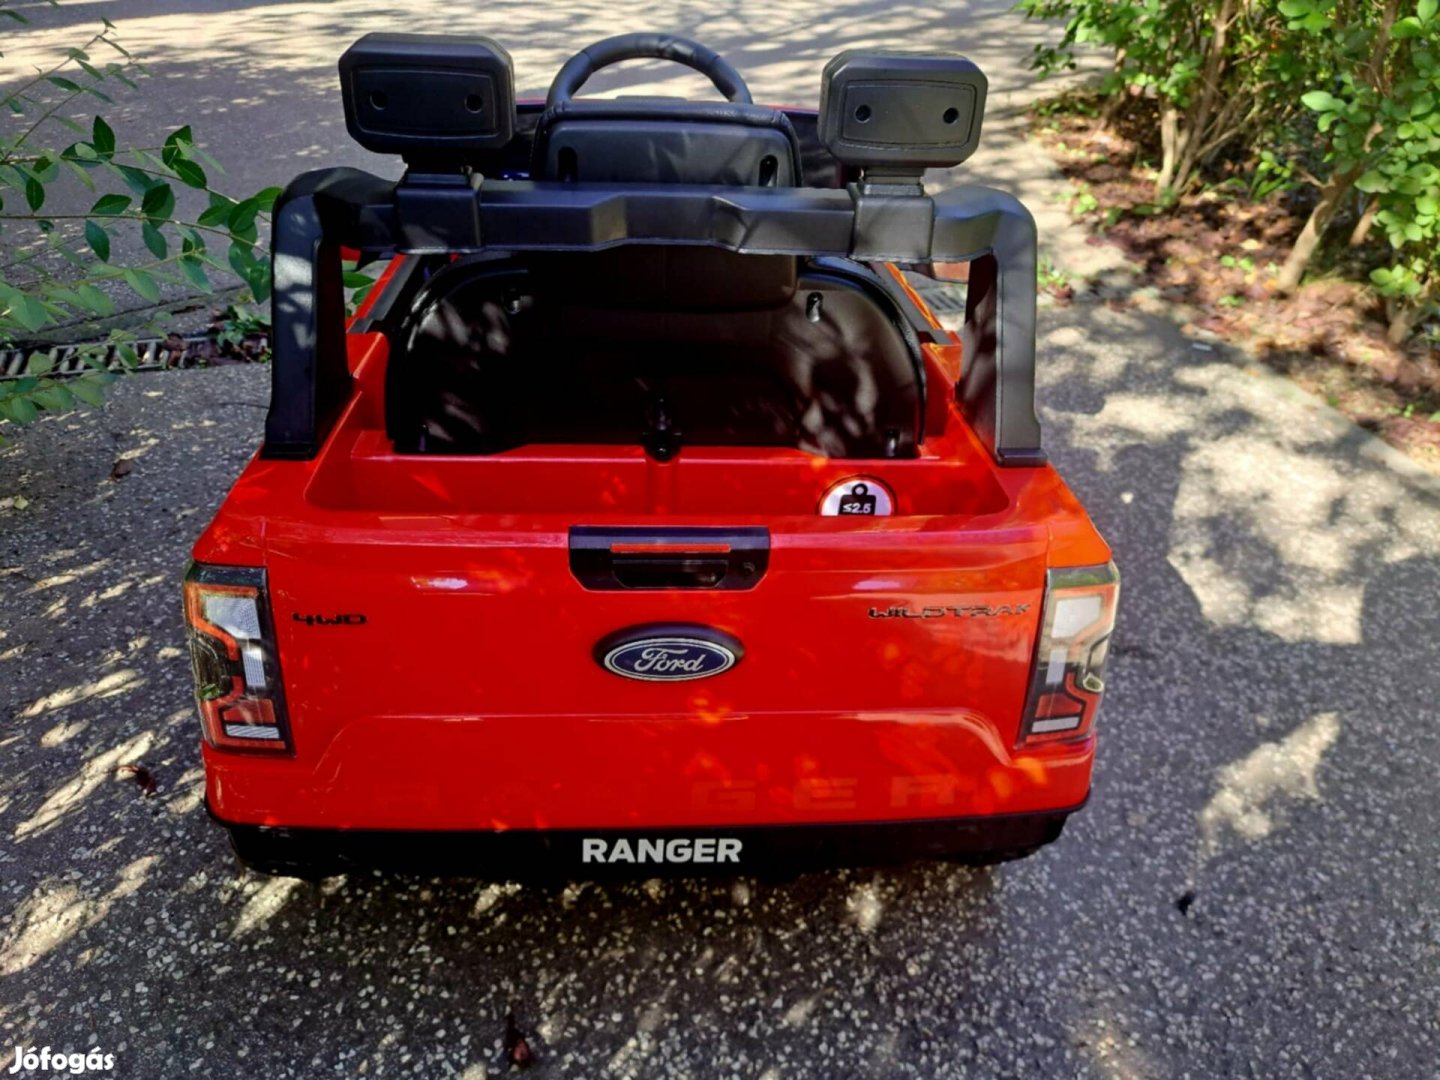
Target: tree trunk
1184	136
1115	103
1361	232
1169	148
1331	195
1405	316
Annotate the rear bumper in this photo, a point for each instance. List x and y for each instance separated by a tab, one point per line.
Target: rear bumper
547	773
560	854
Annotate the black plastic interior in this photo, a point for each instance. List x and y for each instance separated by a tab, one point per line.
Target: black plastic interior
659	346
662	141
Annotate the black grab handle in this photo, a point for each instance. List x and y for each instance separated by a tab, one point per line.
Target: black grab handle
681	558
614	50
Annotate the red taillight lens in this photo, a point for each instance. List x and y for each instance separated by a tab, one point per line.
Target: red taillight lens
232	651
1070	659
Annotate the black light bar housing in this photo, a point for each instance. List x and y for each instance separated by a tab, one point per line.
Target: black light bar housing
426	96
901	112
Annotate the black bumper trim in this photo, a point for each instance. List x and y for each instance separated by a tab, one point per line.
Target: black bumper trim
551	854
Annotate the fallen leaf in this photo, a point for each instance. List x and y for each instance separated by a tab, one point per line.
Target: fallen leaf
517	1048
121	469
142	776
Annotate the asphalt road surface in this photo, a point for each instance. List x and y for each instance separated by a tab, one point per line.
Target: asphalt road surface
1251	892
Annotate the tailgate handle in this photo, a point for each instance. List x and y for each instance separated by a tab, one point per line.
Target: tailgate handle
680	558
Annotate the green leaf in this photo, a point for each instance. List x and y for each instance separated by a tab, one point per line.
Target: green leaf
218	211
94	299
159	202
1321	101
1372	181
242	219
53	397
102	137
19	409
178	145
135	180
200	153
62	295
64	83
108	205
1425	10
240	259
195	271
46	168
189	173
98	239
265	199
89	388
154	240
143	283
81	174
356	280
27	311
258	279
34	193
1408	27
40	363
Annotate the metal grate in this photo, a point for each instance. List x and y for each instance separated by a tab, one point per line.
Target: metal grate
153	354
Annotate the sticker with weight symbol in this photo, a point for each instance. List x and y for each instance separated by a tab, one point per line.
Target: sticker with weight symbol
856	497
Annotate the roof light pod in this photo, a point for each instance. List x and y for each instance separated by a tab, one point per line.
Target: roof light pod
232	652
1069	676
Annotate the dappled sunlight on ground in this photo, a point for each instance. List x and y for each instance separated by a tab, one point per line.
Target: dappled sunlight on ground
70	796
51	917
1251	793
265	899
1265	530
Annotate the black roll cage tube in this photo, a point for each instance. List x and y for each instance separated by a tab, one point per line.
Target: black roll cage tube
323	211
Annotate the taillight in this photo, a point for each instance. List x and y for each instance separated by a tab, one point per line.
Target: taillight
1070	658
232	651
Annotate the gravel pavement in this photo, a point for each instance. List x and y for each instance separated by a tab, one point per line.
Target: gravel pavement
1251	892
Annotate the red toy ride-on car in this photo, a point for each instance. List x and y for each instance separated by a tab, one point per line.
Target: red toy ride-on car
645	517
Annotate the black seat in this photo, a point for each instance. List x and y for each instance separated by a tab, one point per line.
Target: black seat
593	347
656	140
662	140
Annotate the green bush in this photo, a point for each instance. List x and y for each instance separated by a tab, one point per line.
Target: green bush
63	270
1342	95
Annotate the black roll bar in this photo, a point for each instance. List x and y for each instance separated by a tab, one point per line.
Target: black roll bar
324	211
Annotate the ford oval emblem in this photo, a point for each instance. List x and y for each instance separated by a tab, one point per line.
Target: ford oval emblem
669	653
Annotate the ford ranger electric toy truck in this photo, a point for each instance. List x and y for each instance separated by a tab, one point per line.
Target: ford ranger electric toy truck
644	516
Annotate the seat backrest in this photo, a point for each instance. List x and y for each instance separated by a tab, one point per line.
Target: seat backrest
588	347
658	140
